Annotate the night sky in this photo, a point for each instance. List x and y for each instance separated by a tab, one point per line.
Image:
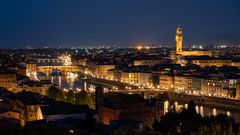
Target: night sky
38	23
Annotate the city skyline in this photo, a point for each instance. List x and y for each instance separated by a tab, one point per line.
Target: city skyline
110	67
116	23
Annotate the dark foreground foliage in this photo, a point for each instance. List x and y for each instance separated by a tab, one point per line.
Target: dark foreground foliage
188	122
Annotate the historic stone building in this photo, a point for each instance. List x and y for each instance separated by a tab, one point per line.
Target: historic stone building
179	46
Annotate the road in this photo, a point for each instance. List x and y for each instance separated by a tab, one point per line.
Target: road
110	84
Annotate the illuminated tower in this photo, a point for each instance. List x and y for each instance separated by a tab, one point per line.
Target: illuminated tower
179	39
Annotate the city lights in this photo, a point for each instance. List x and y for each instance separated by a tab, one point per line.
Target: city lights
83	67
66	60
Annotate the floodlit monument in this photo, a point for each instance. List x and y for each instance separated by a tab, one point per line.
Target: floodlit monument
179	46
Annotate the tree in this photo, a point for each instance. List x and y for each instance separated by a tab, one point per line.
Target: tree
55	93
91	101
82	98
70	96
191	107
189	113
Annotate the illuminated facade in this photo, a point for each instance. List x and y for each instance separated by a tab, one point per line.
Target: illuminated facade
136	78
10	114
214	62
66	60
179	46
8	81
238	91
31	68
32	71
182	83
166	82
149	63
179	40
83	62
235	63
140	78
102	70
33	112
204	61
219	87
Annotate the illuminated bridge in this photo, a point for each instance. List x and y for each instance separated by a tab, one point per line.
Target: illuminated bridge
62	68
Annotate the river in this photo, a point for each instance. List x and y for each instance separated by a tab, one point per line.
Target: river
69	82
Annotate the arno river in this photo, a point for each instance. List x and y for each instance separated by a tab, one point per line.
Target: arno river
69	82
74	83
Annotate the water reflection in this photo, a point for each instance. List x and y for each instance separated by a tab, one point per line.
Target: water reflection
69	81
204	110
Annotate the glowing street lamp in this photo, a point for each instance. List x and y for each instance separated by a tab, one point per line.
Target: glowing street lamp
65	90
78	89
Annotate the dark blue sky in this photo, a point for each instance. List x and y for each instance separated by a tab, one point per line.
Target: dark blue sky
113	22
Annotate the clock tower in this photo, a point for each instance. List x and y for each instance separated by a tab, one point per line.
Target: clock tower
179	40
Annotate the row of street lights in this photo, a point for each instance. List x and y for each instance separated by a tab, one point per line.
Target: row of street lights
148	86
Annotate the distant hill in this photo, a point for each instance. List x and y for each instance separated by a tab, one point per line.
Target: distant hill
231	39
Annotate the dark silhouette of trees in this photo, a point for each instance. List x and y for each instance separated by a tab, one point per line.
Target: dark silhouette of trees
55	93
189	122
70	97
82	98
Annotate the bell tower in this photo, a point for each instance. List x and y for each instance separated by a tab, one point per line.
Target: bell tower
179	40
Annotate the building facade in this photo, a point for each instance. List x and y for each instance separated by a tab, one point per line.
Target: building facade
138	78
149	63
102	70
182	83
179	46
166	82
212	62
8	80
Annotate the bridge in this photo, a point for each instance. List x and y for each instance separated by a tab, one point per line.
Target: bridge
61	68
110	84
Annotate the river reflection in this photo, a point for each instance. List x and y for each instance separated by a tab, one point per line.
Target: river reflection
72	84
203	110
69	83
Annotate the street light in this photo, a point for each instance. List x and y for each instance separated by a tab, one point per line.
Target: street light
65	90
